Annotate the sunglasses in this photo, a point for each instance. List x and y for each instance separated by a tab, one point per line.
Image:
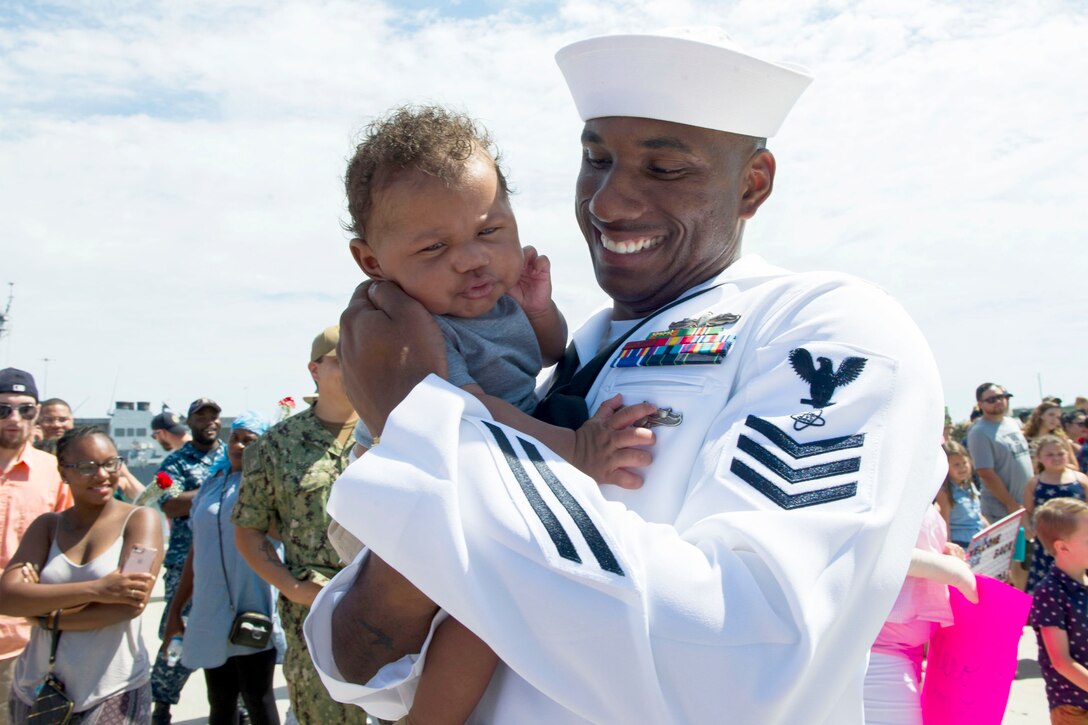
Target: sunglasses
994	398
26	411
89	468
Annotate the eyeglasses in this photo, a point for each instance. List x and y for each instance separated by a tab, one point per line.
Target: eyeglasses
26	411
89	468
994	398
54	420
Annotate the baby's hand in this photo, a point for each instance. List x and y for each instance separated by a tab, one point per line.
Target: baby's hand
534	290
607	446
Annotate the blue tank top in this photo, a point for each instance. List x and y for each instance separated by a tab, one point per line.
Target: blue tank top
965	518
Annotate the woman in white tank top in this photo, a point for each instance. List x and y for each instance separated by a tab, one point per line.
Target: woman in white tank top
71	562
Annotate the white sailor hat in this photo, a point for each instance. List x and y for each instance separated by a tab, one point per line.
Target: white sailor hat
698	77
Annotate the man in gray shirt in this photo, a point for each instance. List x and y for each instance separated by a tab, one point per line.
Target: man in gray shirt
1001	456
1000	453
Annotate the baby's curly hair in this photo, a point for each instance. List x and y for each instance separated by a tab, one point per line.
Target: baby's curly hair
432	139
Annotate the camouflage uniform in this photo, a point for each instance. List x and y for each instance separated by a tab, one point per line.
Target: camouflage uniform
287	476
188	466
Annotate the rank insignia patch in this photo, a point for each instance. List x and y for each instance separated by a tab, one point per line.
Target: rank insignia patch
779	476
699	344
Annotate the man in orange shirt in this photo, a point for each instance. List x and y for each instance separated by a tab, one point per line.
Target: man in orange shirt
30	485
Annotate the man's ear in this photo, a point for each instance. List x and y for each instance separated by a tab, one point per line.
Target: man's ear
312	367
364	257
758	179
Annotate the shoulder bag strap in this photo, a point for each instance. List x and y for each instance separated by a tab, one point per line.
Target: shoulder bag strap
219	534
56	641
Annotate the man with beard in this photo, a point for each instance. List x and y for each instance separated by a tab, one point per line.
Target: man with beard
1002	458
169	431
181	475
30	485
1000	453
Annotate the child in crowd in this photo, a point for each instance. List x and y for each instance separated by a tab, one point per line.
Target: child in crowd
431	212
1053	479
1059	611
893	694
958	498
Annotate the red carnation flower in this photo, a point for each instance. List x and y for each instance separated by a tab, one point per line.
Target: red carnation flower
163	480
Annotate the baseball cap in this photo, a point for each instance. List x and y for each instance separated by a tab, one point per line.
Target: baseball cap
13	380
325	343
204	403
168	421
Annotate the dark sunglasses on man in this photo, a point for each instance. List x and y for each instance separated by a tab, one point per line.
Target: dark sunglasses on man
27	411
994	398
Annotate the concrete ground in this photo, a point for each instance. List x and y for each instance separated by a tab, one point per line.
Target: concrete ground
193	707
1027	701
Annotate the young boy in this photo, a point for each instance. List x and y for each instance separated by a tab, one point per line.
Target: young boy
1059	612
431	212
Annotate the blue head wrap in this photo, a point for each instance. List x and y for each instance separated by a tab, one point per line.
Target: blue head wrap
249	420
252	421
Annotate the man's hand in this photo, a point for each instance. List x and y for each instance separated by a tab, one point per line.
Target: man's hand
997	489
607	446
388	343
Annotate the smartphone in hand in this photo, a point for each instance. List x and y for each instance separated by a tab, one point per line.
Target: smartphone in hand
139	560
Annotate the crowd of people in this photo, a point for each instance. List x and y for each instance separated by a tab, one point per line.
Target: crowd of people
656	559
240	564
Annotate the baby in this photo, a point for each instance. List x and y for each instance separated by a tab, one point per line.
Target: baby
431	212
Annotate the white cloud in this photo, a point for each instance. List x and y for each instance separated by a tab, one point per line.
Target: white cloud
171	181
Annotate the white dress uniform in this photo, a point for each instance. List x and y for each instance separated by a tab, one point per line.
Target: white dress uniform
748	577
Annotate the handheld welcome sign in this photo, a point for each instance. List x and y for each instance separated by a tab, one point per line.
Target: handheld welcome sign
971	664
992	549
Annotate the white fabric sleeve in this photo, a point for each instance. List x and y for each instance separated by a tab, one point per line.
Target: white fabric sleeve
761	601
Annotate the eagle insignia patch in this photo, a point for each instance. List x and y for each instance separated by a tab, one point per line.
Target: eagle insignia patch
823	380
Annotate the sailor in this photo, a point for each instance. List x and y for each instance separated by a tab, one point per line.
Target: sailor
799	417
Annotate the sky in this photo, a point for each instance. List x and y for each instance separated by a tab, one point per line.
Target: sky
171	199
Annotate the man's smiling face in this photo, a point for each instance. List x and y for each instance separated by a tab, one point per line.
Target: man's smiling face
662	205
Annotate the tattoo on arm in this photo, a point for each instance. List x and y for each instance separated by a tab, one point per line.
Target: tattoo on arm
380	638
271	554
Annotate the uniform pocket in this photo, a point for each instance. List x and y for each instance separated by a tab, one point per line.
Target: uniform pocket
636	385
